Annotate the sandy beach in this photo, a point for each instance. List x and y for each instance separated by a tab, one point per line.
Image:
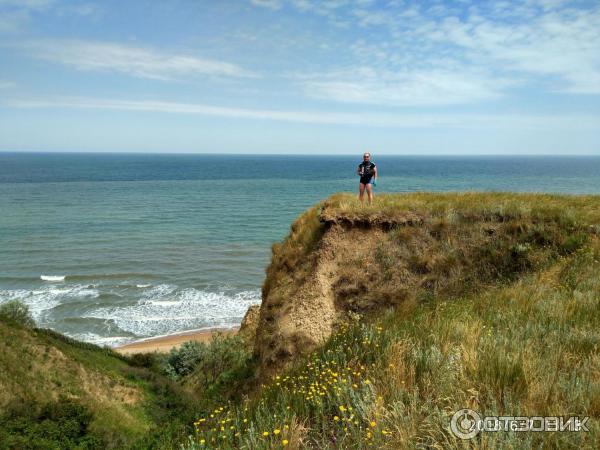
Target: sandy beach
166	343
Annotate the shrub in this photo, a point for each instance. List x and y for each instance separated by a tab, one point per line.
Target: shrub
225	366
221	368
182	360
16	311
63	424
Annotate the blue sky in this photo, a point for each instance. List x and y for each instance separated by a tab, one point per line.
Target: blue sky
301	76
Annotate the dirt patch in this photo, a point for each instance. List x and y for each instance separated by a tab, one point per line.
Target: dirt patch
249	324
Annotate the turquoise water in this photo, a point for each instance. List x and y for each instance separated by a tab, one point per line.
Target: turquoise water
133	246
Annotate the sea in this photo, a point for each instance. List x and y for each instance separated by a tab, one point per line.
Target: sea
110	248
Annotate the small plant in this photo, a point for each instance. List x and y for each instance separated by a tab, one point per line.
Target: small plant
215	369
16	311
183	360
224	368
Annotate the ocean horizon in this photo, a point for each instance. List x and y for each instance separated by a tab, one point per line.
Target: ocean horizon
114	247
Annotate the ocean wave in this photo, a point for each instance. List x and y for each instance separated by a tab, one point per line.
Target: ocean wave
158	291
41	300
143	312
164	309
52	277
111	276
93	338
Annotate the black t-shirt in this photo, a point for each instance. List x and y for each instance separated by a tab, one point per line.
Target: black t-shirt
367	168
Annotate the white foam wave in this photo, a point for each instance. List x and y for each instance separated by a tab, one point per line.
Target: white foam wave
142	285
41	300
52	277
111	341
164	310
159	291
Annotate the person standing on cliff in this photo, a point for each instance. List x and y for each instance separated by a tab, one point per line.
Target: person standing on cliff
367	170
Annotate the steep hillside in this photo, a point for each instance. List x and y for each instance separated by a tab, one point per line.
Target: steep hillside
342	258
59	393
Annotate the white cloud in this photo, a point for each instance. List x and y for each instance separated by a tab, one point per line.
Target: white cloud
17	15
442	53
85	9
135	61
14	14
436	86
6	84
26	4
270	4
563	44
510	122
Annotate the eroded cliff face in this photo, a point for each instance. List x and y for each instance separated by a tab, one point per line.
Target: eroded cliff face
338	261
311	288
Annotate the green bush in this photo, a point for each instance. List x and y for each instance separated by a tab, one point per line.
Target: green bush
225	367
60	424
16	311
221	368
183	360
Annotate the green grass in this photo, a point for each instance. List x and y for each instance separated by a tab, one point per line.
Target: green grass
468	205
116	401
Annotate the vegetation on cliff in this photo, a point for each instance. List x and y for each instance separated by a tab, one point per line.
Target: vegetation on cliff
342	257
59	393
432	303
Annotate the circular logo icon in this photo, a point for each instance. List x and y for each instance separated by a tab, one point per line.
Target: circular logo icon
465	424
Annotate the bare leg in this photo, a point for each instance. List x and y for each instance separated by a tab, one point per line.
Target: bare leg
370	193
361	191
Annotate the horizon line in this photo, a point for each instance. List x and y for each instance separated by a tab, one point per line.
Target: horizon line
129	152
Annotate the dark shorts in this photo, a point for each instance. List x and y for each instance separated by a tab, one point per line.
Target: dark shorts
365	180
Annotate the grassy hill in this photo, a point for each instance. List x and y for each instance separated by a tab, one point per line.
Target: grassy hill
377	324
58	393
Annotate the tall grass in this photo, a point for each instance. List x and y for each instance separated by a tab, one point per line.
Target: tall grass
530	348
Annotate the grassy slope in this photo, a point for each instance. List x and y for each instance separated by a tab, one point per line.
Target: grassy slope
502	317
43	373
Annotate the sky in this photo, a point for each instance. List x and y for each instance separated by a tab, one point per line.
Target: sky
301	76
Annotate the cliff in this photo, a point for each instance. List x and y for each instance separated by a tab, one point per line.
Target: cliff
342	259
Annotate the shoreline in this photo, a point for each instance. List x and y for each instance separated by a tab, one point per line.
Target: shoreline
163	344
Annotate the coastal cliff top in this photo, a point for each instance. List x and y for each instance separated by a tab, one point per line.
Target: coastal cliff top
398	208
